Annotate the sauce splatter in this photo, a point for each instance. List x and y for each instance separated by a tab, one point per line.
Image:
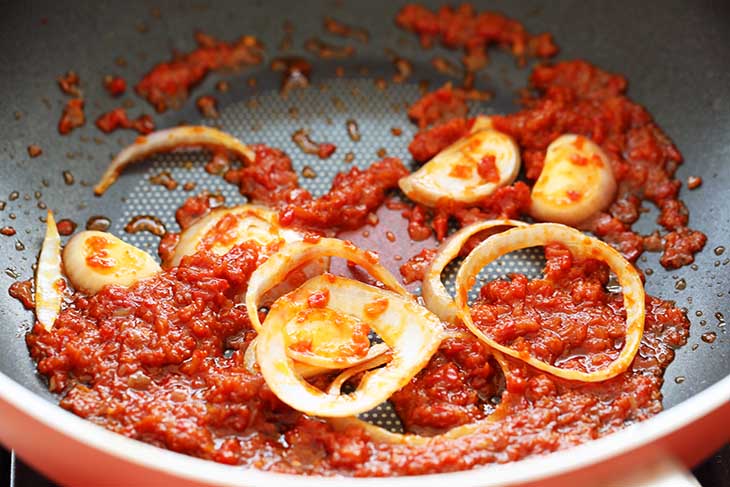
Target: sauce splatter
353	130
68	178
8	231
207	106
295	73
709	337
325	50
168	84
341	29
66	227
302	139
118	119
165	179
72	116
146	223
99	223
114	85
23	292
69	84
694	182
34	150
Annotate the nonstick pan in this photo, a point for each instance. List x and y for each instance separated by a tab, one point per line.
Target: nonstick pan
675	56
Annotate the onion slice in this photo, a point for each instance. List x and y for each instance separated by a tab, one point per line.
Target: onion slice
378	360
579	244
411	331
293	255
434	292
94	259
168	140
453	175
49	283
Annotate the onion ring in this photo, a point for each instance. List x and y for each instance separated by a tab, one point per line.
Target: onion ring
434	292
306	370
168	140
378	360
411	331
49	282
292	255
580	244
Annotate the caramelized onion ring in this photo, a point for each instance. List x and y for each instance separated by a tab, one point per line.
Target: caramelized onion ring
434	292
48	280
168	140
292	255
411	331
579	244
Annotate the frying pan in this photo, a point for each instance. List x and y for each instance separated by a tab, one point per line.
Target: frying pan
674	54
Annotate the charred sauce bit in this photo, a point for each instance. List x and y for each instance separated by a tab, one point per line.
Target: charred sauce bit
322	149
98	223
145	223
114	85
324	50
196	207
341	29
403	67
69	84
308	172
445	67
165	179
72	116
207	106
118	119
168	84
295	73
219	163
34	150
353	130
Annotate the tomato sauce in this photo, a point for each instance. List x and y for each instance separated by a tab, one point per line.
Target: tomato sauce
72	116
118	119
353	197
162	362
577	97
463	27
168	84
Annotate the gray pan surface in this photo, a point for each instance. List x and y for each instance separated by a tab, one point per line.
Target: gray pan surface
675	55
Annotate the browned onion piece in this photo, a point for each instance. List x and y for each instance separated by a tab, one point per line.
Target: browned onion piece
168	140
579	244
